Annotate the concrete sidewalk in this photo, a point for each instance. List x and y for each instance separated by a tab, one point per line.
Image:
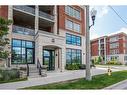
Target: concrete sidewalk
118	86
51	78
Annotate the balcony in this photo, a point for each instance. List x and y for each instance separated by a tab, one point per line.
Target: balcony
45	15
26	9
23	30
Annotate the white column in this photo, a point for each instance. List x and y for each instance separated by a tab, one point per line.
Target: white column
99	47
105	54
62	59
55	19
56	59
36	18
38	52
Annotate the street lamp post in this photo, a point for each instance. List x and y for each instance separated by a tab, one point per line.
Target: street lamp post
88	55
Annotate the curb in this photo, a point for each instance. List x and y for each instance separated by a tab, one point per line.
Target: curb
115	85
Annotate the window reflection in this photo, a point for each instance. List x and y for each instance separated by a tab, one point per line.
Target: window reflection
72	39
73	56
22	51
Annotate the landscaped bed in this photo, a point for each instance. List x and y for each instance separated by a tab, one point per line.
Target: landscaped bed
14	80
98	82
10	75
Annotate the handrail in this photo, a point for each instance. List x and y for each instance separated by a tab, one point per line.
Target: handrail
26	9
27	69
23	30
39	67
43	14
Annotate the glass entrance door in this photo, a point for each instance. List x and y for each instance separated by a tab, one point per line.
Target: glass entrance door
29	56
49	59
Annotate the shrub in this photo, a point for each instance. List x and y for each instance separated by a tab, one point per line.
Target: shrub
77	66
6	74
114	63
72	66
82	66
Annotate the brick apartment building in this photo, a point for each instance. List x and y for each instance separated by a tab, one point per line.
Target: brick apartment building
53	34
113	47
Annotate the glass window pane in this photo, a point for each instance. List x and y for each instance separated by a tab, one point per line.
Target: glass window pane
23	44
76	27
16	55
16	42
17	50
69	24
73	40
74	57
23	58
30	55
68	56
29	44
78	40
68	39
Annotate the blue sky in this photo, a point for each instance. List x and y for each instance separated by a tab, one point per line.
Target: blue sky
107	22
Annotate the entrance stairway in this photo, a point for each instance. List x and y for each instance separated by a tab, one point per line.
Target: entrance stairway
33	71
37	71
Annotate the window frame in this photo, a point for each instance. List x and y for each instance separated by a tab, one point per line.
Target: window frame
77	53
21	49
73	41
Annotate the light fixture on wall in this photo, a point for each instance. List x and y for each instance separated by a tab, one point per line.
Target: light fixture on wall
53	40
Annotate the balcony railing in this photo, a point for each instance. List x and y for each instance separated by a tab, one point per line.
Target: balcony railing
45	15
26	9
23	30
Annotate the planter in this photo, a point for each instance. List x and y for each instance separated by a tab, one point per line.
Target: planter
2	62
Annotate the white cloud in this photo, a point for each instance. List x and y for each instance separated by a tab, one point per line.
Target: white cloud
123	29
103	11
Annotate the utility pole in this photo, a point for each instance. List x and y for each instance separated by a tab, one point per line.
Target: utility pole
88	61
88	49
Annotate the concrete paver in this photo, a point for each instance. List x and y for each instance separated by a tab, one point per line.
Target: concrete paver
53	77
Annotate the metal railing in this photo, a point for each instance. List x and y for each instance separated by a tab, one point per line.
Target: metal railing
45	15
39	67
25	8
27	69
23	30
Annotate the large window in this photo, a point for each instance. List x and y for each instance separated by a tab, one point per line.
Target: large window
22	51
115	51
73	40
73	56
113	39
72	12
72	26
114	58
114	45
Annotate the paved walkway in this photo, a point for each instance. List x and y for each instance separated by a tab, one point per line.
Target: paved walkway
52	78
118	86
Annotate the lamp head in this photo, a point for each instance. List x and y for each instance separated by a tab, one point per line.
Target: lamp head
93	14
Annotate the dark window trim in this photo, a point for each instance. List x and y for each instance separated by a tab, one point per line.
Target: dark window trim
76	54
70	42
25	49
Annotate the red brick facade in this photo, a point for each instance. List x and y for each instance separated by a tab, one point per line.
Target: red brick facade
94	48
120	40
62	16
4	11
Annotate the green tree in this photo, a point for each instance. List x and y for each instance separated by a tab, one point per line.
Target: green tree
99	59
4	28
